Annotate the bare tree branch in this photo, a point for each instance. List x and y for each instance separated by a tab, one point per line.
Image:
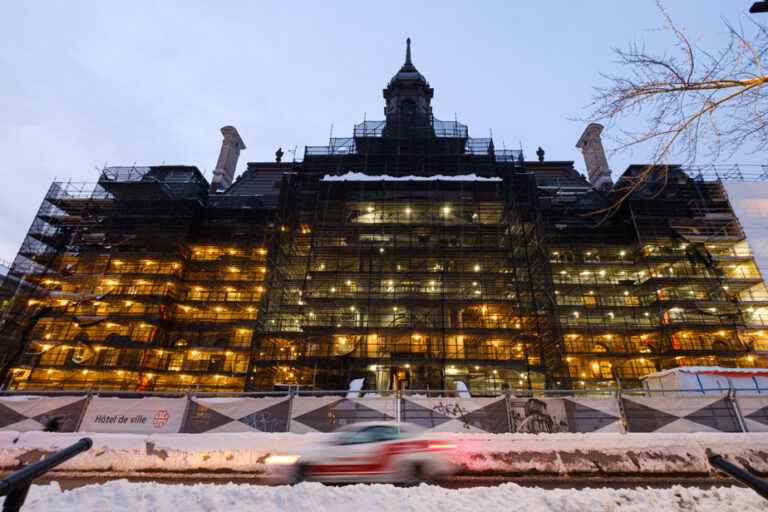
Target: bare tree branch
696	101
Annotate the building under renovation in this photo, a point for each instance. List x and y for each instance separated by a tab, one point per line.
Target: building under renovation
409	254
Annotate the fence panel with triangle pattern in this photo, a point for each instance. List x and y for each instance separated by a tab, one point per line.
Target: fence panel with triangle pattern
325	413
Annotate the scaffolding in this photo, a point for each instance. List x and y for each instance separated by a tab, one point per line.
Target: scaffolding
135	283
469	264
397	282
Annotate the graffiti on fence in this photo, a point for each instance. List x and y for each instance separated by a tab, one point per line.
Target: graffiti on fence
264	421
452	410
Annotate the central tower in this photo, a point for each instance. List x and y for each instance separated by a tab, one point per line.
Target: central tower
408	94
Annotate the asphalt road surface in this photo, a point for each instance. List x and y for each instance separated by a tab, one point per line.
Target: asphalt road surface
74	480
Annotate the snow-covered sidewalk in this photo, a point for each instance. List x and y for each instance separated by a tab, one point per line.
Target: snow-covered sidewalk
121	495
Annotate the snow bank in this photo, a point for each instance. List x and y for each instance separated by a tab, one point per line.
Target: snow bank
121	495
359	176
596	454
599	454
130	453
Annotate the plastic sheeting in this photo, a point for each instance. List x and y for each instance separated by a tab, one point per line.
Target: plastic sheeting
328	413
750	203
266	414
25	413
754	410
456	414
656	414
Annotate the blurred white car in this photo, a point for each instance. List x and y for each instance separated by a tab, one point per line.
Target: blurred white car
368	452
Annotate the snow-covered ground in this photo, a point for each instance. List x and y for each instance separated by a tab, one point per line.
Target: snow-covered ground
595	454
121	495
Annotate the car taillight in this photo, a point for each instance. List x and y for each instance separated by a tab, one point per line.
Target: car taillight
441	446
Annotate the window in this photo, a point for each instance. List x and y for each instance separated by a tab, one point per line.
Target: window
56	356
375	434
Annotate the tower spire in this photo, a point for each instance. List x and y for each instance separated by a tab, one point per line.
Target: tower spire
408	92
408	62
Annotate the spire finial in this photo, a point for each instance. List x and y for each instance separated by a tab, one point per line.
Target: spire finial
408	52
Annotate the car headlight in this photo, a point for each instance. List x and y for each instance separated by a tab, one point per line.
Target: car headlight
281	459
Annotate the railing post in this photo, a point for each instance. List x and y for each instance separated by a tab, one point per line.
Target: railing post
737	410
15	499
622	413
290	410
83	411
187	407
508	404
16	485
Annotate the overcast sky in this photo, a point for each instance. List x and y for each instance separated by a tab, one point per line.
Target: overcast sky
84	84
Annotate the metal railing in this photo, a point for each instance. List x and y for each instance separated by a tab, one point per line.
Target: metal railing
521	392
758	485
728	172
16	485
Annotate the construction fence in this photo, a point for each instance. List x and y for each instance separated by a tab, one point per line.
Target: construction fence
301	413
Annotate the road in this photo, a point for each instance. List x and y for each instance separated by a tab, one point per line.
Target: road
74	480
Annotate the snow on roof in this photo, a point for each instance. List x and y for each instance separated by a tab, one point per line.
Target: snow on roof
359	176
709	370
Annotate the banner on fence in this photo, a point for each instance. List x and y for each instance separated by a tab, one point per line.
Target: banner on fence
537	415
25	413
700	414
456	414
754	410
269	414
328	413
148	415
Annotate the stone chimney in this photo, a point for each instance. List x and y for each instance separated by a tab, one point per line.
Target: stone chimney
591	145
224	173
